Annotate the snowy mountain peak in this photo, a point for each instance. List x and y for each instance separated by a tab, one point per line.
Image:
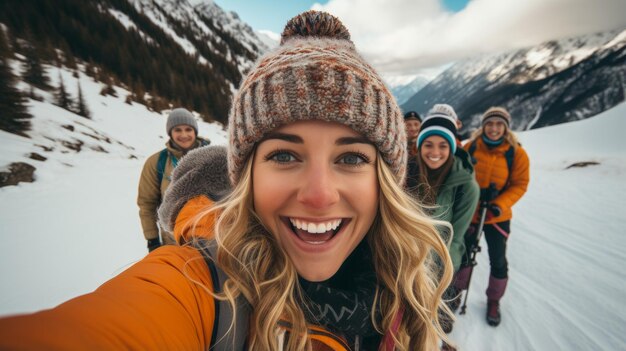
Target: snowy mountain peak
205	24
555	82
554	56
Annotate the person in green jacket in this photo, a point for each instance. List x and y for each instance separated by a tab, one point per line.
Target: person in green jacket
182	129
441	176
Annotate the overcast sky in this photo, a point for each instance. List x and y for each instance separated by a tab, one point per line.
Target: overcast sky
401	37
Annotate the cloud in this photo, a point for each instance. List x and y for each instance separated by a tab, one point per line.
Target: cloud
406	36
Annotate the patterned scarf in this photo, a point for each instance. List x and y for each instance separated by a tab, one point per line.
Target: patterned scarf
343	303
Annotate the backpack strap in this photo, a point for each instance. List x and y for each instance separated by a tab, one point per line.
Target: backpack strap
509	155
223	339
161	165
471	151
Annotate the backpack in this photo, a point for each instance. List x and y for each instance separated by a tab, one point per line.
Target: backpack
163	159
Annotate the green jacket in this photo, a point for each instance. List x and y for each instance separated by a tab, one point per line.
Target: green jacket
456	203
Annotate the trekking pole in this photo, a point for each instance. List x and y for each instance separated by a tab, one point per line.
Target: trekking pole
489	194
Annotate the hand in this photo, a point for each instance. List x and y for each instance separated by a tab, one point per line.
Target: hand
153	244
495	210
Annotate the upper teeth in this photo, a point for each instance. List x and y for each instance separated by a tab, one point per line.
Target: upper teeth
314	228
434	158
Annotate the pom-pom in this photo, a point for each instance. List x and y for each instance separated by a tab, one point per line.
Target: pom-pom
315	24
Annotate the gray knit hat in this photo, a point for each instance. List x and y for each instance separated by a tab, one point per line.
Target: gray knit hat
315	74
180	116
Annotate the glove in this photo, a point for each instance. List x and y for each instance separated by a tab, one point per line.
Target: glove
495	210
153	244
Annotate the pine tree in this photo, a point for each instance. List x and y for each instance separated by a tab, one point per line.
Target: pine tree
33	72
62	98
15	118
81	105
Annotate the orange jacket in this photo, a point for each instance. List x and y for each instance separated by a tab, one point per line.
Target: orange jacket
157	304
491	167
160	303
186	223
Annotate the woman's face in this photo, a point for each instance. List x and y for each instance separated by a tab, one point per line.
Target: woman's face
494	129
316	190
184	136
435	151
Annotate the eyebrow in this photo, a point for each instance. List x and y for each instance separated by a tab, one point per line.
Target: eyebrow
353	140
292	138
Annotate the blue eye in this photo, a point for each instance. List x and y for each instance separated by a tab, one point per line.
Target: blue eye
281	157
353	159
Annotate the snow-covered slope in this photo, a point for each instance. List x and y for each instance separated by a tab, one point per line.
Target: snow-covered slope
77	225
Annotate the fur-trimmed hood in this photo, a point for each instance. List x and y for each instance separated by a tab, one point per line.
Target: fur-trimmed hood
203	171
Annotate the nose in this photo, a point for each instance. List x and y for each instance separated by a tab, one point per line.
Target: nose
318	188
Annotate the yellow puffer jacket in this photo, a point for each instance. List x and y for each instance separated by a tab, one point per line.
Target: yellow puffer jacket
491	167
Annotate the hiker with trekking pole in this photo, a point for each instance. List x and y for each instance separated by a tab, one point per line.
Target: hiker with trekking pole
502	171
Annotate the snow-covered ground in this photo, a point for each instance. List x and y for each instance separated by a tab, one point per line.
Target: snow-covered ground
77	225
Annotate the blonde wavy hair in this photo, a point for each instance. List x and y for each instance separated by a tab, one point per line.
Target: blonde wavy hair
404	242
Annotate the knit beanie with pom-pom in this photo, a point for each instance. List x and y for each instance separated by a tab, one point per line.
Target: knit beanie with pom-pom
499	113
315	74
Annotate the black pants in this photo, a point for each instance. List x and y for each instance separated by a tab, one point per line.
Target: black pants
496	245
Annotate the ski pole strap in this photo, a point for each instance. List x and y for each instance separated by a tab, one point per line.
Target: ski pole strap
500	230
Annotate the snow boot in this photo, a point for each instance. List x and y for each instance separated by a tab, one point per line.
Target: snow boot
495	291
493	313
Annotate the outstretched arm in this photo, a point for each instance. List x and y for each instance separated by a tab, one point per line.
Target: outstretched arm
160	303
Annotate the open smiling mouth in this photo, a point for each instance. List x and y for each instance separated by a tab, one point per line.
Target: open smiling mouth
316	233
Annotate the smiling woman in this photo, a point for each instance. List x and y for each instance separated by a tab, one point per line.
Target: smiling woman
316	247
316	189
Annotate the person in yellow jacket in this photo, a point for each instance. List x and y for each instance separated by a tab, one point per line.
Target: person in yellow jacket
499	159
182	129
316	246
